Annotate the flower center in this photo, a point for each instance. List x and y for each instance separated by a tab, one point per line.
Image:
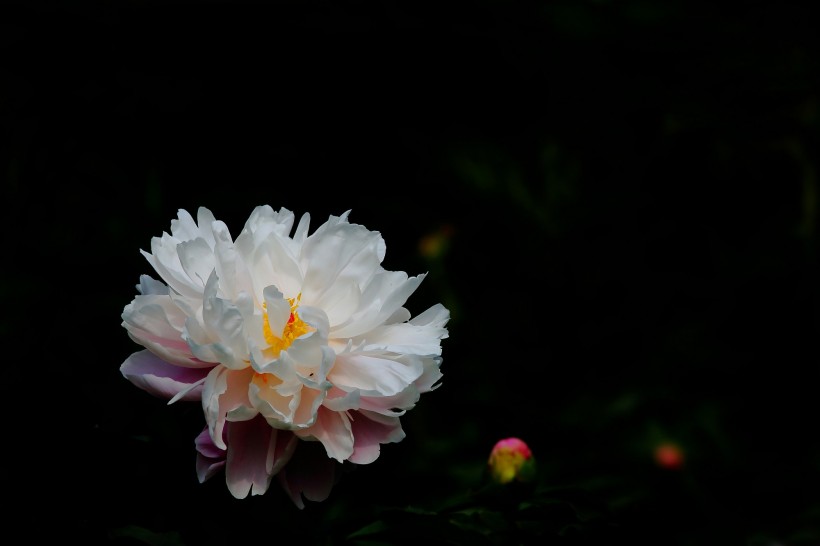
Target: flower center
294	328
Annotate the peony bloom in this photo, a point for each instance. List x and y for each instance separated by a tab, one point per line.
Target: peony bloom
511	459
297	345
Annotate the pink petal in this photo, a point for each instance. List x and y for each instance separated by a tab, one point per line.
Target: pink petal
209	458
370	430
206	446
246	468
207	468
154	375
282	445
310	473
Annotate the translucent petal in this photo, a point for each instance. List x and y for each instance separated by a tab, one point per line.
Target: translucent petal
156	323
382	297
246	465
224	391
310	473
154	375
334	431
336	253
209	458
370	430
375	373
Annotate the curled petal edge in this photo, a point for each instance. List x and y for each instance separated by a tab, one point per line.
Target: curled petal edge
162	379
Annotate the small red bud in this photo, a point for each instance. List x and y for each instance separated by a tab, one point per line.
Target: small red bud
669	455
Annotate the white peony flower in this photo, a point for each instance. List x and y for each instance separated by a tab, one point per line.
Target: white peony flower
290	340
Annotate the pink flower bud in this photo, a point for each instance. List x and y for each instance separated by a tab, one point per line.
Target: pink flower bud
511	459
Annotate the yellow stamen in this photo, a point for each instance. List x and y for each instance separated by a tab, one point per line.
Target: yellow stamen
294	328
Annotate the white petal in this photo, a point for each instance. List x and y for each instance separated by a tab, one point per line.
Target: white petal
382	297
224	391
436	316
428	381
164	257
272	404
264	219
334	431
191	392
155	322
221	335
374	373
301	232
148	286
233	274
340	301
339	400
306	413
273	260
277	308
411	338
393	406
183	227
337	253
197	260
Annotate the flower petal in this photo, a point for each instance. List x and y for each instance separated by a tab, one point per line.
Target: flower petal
283	445
196	258
225	391
370	430
220	336
419	339
395	405
428	381
156	323
160	378
165	259
381	298
375	373
247	462
272	259
310	473
209	458
335	253
333	430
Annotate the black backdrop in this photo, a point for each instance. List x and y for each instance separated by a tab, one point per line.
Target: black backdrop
630	193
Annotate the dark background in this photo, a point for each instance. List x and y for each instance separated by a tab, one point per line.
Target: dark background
629	195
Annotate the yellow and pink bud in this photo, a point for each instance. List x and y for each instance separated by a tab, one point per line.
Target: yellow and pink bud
511	459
